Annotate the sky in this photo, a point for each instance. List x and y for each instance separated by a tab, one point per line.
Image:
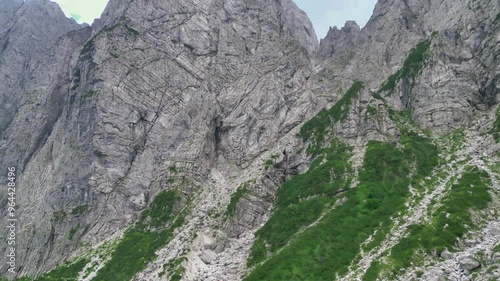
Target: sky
326	13
323	13
82	10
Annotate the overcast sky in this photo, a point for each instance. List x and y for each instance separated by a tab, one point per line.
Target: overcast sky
326	13
82	10
323	13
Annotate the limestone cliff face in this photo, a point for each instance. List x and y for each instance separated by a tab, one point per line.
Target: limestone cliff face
38	43
206	98
194	85
464	40
29	31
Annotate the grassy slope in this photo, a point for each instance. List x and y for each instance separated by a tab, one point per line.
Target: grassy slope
449	222
327	248
141	241
137	247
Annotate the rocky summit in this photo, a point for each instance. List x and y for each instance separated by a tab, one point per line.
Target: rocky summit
219	140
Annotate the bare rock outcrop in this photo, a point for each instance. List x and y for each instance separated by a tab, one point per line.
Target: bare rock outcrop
207	98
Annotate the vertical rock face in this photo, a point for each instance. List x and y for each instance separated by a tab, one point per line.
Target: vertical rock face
28	32
206	98
201	73
193	85
37	42
297	22
464	40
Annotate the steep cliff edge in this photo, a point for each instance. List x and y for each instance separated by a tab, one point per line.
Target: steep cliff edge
199	72
217	140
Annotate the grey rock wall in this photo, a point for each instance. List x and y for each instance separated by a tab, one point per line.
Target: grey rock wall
95	117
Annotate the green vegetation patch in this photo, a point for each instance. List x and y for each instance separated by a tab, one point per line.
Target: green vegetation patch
174	269
412	66
160	210
80	210
373	271
235	199
131	30
328	174
88	96
141	241
284	223
370	111
420	151
496	249
271	161
450	221
331	245
268	164
378	97
173	169
73	231
301	200
68	271
59	216
315	130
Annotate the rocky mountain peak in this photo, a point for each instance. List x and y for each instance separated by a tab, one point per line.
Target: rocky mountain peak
217	140
340	41
285	13
299	24
351	27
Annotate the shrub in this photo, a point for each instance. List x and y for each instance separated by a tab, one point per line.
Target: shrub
372	272
68	271
160	210
79	210
470	193
329	247
73	231
139	243
301	200
235	199
412	66
315	130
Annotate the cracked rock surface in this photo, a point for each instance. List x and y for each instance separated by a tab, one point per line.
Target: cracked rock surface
199	96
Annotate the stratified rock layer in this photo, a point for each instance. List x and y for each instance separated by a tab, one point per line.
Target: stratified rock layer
205	97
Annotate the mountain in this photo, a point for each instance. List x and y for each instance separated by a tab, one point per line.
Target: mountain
218	140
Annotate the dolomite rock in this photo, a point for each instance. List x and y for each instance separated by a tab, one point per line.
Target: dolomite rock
210	75
446	255
215	88
341	43
469	264
460	76
298	24
28	32
435	275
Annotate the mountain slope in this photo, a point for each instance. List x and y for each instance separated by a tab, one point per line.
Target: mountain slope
216	140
